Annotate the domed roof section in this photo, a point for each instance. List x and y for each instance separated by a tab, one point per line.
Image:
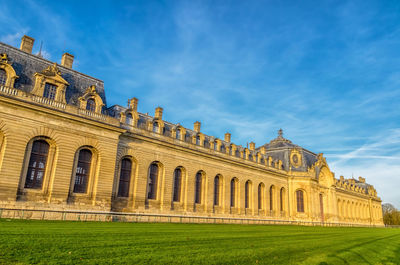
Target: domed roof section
281	148
279	142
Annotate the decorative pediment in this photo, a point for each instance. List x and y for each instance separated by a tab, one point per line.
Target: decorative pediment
53	73
50	75
296	158
91	94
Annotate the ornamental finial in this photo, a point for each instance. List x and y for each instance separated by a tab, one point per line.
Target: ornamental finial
280	133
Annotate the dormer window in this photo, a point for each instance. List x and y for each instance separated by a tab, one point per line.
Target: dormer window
50	84
156	127
50	91
91	105
178	134
3	77
7	72
198	140
91	100
129	118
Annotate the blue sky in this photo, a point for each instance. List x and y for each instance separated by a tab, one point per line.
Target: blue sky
326	72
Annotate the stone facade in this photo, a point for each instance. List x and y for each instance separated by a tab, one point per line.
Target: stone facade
62	148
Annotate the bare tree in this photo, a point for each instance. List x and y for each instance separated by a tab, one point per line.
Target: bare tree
391	216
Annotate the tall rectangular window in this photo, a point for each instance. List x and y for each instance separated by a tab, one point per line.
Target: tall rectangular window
177	185
125	177
152	182
82	171
233	189
37	164
216	190
198	188
300	201
3	77
50	91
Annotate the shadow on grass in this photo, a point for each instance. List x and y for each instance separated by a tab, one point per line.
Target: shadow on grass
351	249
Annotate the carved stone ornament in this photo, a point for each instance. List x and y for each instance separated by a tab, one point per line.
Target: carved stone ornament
3	57
295	158
52	70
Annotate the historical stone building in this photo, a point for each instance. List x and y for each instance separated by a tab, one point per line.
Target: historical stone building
63	148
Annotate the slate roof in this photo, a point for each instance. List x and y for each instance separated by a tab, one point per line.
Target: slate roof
280	148
26	65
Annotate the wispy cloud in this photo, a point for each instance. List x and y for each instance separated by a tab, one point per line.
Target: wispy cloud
327	74
13	38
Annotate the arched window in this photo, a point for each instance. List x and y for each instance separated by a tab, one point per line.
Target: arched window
156	127
215	146
129	118
3	77
125	177
223	149
82	171
260	196
37	164
91	105
49	91
300	201
216	190
250	157
233	192
271	198
247	194
177	185
152	182
197	198
282	199
178	134
198	139
237	153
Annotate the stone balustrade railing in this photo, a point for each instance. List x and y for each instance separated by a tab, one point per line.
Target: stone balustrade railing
71	109
9	91
49	102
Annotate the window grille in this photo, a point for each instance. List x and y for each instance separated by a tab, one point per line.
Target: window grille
198	188
3	77
300	201
152	186
271	198
91	105
260	196
82	171
125	177
50	91
216	190
177	185
247	194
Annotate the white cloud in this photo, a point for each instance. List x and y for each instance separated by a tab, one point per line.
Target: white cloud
377	161
13	38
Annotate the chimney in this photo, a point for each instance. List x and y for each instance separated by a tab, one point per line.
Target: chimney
197	125
67	60
159	112
27	44
227	137
133	103
252	146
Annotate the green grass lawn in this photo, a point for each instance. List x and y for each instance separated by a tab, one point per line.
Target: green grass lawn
57	242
